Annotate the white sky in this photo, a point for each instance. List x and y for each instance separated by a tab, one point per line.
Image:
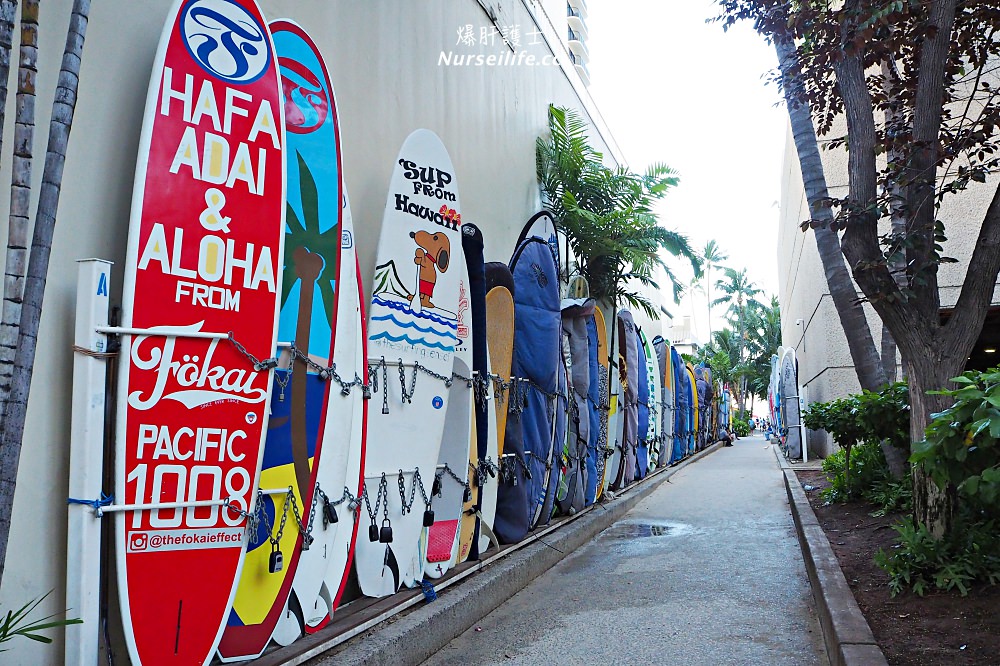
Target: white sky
674	89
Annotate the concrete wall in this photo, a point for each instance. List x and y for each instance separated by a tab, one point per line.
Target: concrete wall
826	370
383	59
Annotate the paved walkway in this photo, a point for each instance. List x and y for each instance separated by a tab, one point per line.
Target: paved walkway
706	570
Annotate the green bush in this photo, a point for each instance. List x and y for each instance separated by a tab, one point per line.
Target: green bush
961	446
920	562
960	450
869	480
860	423
741	428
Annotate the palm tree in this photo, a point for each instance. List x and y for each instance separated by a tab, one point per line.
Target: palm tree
18	223
607	214
711	257
63	107
740	294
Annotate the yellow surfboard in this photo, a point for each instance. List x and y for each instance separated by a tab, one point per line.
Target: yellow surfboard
500	341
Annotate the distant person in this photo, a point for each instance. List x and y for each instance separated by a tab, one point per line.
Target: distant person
725	437
752	424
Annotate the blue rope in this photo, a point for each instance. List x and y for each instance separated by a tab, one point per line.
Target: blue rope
429	593
95	504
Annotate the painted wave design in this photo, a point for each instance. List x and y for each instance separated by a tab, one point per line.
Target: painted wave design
414	325
420	342
400	307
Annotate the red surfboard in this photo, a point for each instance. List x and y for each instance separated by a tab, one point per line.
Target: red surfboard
204	255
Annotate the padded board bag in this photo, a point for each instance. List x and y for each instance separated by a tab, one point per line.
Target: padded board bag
537	358
644	428
575	315
666	400
595	403
511	522
681	403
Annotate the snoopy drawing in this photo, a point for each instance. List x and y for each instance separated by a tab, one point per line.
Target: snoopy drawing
432	256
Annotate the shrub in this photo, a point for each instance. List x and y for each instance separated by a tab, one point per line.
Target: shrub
961	446
867	418
869	480
919	561
741	428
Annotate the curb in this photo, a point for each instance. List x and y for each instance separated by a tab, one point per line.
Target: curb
412	637
849	639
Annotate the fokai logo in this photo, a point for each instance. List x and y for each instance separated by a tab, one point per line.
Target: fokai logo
196	380
225	40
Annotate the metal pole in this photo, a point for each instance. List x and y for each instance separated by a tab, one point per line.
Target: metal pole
86	462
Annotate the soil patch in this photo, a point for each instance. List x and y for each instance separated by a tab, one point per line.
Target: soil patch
938	628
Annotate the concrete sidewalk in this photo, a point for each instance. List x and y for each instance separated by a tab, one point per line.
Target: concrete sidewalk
706	570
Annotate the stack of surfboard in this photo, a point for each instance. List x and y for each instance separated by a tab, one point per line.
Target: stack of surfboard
244	432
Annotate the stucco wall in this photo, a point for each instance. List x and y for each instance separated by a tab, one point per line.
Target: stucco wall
383	59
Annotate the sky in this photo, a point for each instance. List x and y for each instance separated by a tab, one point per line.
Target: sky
674	89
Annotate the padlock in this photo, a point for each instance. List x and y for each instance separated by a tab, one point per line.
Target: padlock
275	562
373	532
467	494
428	518
385	534
329	513
436	487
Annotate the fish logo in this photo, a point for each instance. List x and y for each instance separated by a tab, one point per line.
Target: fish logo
307	103
225	40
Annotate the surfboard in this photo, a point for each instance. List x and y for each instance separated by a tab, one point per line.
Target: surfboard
681	405
343	548
299	432
693	390
662	347
413	320
443	538
205	237
500	338
511	501
537	358
655	435
790	404
629	360
604	446
483	443
643	449
321	568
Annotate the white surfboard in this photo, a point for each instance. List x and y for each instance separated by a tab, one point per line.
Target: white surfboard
653	402
341	441
491	485
420	229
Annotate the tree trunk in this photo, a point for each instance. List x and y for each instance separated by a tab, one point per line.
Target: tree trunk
63	107
867	363
932	506
20	196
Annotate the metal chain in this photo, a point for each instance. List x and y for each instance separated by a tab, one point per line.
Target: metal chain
326	373
447	470
416	483
382	492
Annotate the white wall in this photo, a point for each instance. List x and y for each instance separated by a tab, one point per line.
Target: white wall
383	59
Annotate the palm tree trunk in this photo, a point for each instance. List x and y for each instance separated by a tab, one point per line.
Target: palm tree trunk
869	365
63	107
20	196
